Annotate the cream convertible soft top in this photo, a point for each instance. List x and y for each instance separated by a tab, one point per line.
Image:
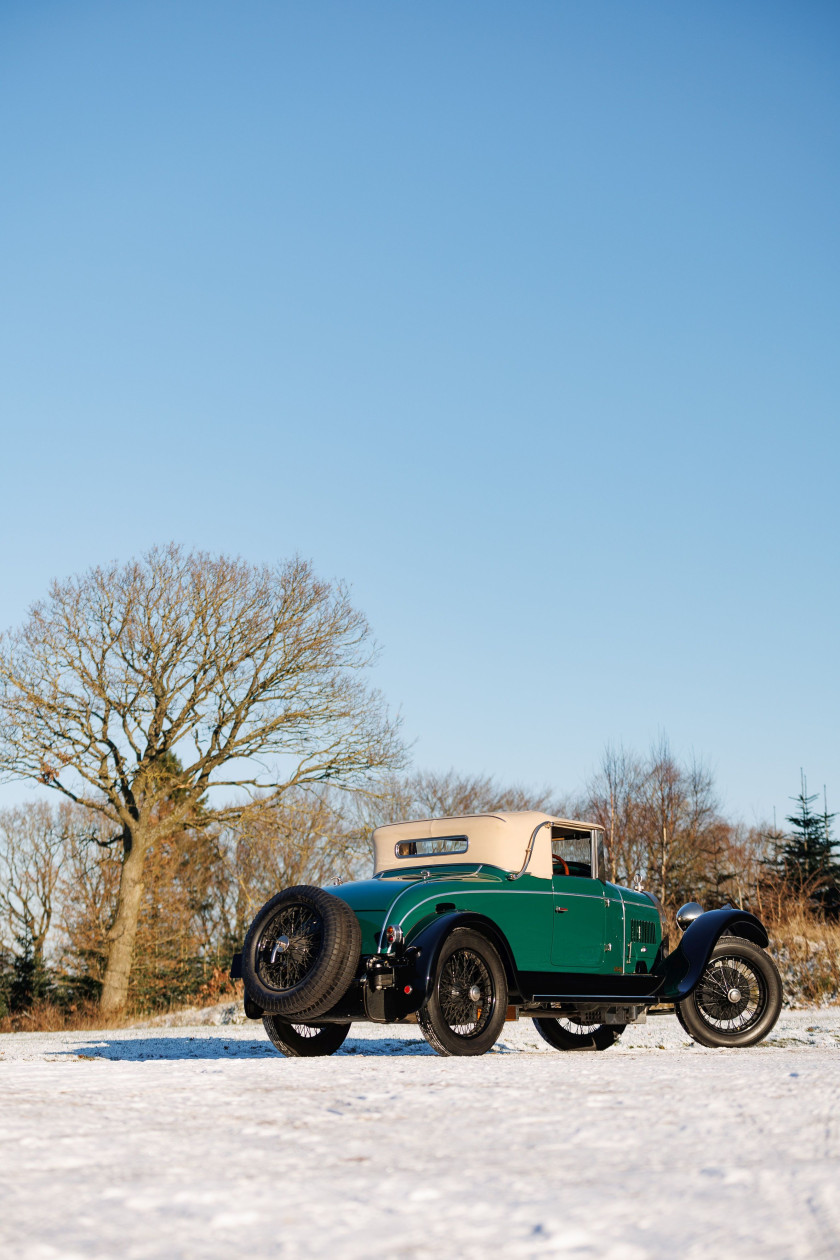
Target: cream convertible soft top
498	839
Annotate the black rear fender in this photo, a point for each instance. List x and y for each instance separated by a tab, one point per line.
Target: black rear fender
430	941
681	970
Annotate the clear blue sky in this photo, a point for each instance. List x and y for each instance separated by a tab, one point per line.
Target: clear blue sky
521	318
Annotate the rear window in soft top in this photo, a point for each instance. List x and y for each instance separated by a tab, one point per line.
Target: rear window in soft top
435	846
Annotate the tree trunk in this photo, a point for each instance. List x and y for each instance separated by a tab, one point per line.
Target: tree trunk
663	882
124	930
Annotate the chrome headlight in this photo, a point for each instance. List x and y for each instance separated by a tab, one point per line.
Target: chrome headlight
687	914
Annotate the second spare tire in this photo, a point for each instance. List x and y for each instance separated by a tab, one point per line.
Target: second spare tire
301	952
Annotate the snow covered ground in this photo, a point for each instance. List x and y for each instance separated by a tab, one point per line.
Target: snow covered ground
203	1142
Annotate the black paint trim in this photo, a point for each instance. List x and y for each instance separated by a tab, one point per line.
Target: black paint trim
671	980
427	944
681	971
555	986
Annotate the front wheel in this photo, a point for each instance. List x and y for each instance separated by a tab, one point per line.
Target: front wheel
466	1009
572	1032
738	998
305	1041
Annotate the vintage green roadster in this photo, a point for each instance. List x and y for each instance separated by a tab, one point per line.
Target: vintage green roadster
469	922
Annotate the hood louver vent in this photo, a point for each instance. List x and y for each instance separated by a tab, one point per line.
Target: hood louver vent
642	930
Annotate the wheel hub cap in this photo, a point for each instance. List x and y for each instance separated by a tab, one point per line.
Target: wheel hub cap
280	947
734	996
475	993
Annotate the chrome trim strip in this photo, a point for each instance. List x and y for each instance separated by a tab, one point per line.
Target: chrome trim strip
610	999
479	892
388	919
408	888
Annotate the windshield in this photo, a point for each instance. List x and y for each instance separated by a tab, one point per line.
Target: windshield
571	852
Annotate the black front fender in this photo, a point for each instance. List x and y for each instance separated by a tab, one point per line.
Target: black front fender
681	970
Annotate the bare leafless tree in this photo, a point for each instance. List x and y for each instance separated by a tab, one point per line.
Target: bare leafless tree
680	811
252	677
661	817
452	794
32	851
612	797
88	892
433	794
307	836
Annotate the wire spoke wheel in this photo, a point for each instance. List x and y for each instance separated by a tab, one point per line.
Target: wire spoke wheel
731	995
466	993
465	1010
578	1026
737	999
578	1032
289	947
305	1041
300	954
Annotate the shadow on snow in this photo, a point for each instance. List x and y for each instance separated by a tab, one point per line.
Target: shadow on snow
143	1049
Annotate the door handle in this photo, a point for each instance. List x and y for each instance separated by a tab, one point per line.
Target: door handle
560	909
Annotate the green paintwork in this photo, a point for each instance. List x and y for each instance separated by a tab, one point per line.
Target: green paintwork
579	924
639	954
369	899
568	923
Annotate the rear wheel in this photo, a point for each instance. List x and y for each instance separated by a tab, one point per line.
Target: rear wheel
305	1041
738	998
466	1009
572	1032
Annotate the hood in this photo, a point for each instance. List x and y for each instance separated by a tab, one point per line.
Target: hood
640	898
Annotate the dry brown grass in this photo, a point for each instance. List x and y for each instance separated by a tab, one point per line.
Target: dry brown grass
807	953
46	1016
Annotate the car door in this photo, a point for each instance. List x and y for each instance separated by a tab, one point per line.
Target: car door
579	931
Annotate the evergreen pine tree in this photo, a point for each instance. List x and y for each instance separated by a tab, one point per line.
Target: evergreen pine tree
806	856
7	974
29	977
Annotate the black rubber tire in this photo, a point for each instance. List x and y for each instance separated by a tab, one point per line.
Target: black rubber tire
468	955
305	1041
559	1034
313	973
702	1013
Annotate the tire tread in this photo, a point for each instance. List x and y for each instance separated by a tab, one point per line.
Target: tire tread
290	1043
333	970
697	1028
429	1016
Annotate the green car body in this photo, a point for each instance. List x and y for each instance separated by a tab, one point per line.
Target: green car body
530	892
565	924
